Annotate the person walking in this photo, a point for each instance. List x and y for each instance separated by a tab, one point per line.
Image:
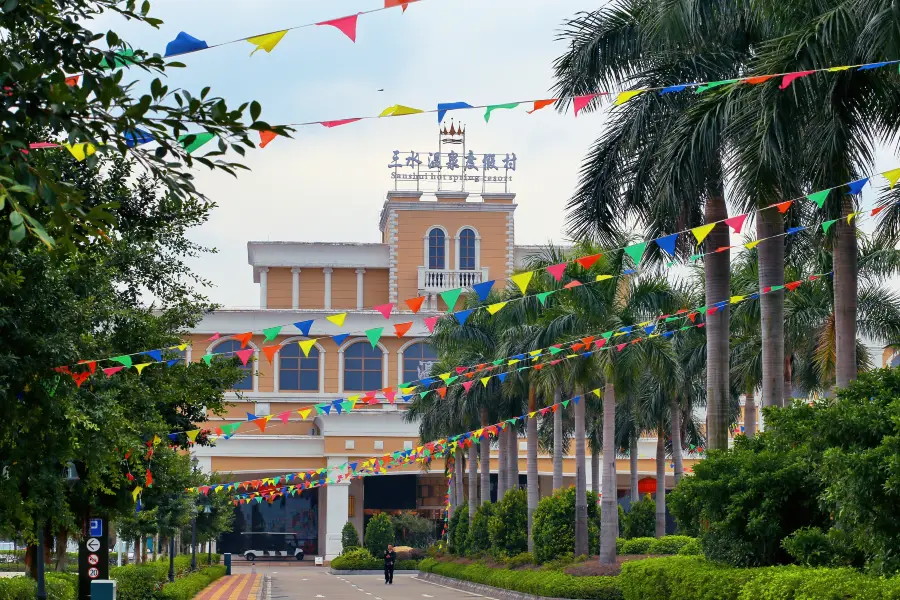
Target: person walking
389	557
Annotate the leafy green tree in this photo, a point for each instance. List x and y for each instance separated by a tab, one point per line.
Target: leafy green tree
479	541
554	524
412	530
379	533
349	537
508	526
640	520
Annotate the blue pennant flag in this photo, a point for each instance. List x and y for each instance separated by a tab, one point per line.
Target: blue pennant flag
502	377
667	243
304	327
426	382
674	88
326	409
407	398
155	355
183	44
792	230
857	186
337	405
519	357
875	65
138	506
339	339
483	289
137	137
721	304
462	315
173	437
629	271
626	329
649	329
169	363
586	354
668	334
753	296
576	399
443	107
251	417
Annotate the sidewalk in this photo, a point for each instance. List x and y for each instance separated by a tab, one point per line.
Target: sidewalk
233	587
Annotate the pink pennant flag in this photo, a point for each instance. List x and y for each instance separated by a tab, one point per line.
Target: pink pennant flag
736	223
110	371
430	322
600	343
339	122
385	309
581	101
213	337
347	26
468	385
244	355
43	145
620	347
787	79
557	270
285	416
390	394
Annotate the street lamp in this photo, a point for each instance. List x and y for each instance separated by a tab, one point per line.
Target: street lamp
194	537
70	476
207	510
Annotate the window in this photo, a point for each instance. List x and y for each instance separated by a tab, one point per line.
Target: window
349	444
436	249
262	408
229	347
467	250
379	444
407	444
363	368
297	372
417	361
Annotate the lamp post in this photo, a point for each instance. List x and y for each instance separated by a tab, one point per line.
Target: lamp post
194	538
207	510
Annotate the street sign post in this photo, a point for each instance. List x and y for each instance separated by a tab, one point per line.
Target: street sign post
93	556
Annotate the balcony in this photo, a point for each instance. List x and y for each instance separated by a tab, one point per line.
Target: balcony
439	280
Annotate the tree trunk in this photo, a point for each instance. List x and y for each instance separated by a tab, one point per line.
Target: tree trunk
484	449
473	479
771	306
675	424
632	465
845	295
581	521
459	478
513	458
788	379
557	441
502	466
750	414
660	482
31	560
609	512
532	484
144	548
717	267
62	557
595	470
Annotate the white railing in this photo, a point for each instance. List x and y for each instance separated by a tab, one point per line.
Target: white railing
438	280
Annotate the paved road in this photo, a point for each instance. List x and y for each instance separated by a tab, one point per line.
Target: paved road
292	583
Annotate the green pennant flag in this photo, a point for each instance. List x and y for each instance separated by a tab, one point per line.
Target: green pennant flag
450	297
120	60
124	359
425	393
685	327
498	362
232	429
825	227
452	379
713	84
272	332
198	140
207	358
775	288
347	405
636	252
374	335
670	319
543	297
607	334
565	403
695	257
554	350
819	197
493	107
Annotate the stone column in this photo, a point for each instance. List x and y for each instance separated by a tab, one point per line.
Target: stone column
337	495
295	288
359	288
328	271
263	286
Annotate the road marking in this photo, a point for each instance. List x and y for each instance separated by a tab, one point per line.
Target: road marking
469	594
427	596
319	596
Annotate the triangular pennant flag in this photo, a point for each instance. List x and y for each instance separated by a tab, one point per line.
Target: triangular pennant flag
244	355
539	104
81	151
667	244
483	289
444	107
135	492
272	332
339	339
857	186
430	322
124	359
636	252
701	232
522	280
542	297
450	297
137	138
588	261
213	337
624	97
736	223
244	338
194	141
140	368
793	230
390	394
304	413
270	352
557	271
787	79
385	309
267	41
155	355
306	346
758	80
819	197
347	405
442	392
285	416
673	88
468	385
784	206
850	217
877	210
579	102
495	308
415	304
398	110
793	285
192	435
339	122
401	329
485	380
183	44
714	84
493	107
110	371
265	137
207	358
572	284
565	404
374	335
892	176
827	225
251	417
502	377
338	319
261	422
752	245
463	315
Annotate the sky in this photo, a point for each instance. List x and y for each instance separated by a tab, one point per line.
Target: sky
329	185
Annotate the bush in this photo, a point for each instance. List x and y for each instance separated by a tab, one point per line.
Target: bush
640	520
479	541
379	534
458	531
553	528
669	544
23	588
519	560
190	585
356	559
619	543
138	582
639	545
812	547
692	548
349	537
412	530
553	584
680	577
508	527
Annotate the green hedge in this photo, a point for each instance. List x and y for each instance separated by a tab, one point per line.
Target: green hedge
638	545
189	586
145	582
360	559
554	584
670	544
59	587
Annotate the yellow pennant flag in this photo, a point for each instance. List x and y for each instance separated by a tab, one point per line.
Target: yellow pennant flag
833	69
267	41
701	232
398	110
495	308
653	335
444	376
156	440
182	347
522	280
407	390
603	277
892	176
484	381
736	299
338	319
136	492
531	414
306	346
353	398
850	217
192	435
752	245
596	392
81	151
624	97
141	367
512	362
535	352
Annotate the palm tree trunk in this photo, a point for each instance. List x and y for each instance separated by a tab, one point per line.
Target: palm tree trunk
473	480
532	484
771	306
788	380
660	482
581	522
609	512
502	466
750	414
675	424
845	291
459	477
595	469
717	267
513	458
557	441
632	465
485	457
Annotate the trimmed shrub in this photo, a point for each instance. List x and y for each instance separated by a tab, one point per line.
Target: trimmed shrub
458	531
554	584
669	544
349	537
692	548
479	540
190	585
554	525
639	545
812	547
23	588
640	520
508	527
379	534
519	560
680	577
619	543
357	559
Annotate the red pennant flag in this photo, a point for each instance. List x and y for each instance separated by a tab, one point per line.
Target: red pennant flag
539	104
73	80
577	347
877	210
390	394
587	341
442	392
401	329
110	371
813	277
461	370
793	285
385	309
711	311
621	346
736	223
346	25
339	122
415	304
430	322
723	248
787	79
783	206
265	137
572	284
402	3
261	422
588	261
80	377
757	80
244	338
270	352
468	385
581	101
148	482
557	270
63	370
692	316
244	355
538	366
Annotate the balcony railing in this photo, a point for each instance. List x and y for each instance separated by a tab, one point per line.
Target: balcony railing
439	280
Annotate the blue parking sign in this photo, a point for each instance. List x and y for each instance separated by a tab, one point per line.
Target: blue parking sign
96	528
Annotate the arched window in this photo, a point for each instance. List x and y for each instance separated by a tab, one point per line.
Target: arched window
229	347
436	249
417	361
363	368
297	372
467	250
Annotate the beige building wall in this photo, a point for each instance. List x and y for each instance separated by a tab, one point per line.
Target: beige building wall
376	289
279	288
343	289
312	288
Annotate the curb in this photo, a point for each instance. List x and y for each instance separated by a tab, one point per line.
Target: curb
368	572
479	588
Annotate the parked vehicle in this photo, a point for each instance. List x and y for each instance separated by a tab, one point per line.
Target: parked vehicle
273	546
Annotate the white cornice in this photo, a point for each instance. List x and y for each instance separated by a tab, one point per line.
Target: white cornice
339	255
239	320
390	205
